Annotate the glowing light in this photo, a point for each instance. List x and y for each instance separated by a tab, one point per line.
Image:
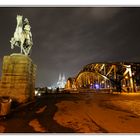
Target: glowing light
103	82
126	77
96	86
133	73
36	92
39	94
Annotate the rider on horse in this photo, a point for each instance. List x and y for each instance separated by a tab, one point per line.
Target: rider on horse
22	36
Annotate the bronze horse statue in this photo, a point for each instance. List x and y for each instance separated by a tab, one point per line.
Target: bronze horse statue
22	36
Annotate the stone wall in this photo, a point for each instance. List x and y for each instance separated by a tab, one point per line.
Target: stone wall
18	78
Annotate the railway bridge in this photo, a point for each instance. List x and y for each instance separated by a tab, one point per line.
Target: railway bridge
119	76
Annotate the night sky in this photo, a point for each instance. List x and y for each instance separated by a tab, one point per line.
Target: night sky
65	39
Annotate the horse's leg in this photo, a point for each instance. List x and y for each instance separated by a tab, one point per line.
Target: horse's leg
21	49
29	48
21	45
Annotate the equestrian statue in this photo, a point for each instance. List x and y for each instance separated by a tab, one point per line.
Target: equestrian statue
22	36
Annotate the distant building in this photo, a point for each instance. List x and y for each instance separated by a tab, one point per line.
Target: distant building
70	84
61	81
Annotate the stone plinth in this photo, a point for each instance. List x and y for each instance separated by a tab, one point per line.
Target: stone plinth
18	78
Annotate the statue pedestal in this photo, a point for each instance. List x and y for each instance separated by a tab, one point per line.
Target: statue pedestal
18	78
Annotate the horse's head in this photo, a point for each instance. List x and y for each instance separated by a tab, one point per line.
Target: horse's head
19	19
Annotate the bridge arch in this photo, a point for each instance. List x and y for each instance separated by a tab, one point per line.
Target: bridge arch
119	76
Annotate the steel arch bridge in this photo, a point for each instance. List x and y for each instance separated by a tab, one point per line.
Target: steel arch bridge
122	76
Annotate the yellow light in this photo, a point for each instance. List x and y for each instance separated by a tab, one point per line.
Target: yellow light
126	77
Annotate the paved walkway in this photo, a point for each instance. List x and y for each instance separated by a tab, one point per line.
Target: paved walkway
77	113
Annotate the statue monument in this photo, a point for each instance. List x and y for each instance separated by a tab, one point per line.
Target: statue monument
18	70
22	36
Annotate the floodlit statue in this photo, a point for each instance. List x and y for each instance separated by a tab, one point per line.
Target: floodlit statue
22	36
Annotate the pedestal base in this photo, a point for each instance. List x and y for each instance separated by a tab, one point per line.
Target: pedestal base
18	78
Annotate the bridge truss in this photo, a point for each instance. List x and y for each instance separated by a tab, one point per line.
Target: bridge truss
120	76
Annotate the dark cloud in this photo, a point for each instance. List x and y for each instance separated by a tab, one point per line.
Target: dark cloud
66	39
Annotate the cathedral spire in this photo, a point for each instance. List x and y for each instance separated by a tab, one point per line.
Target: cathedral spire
61	81
59	77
